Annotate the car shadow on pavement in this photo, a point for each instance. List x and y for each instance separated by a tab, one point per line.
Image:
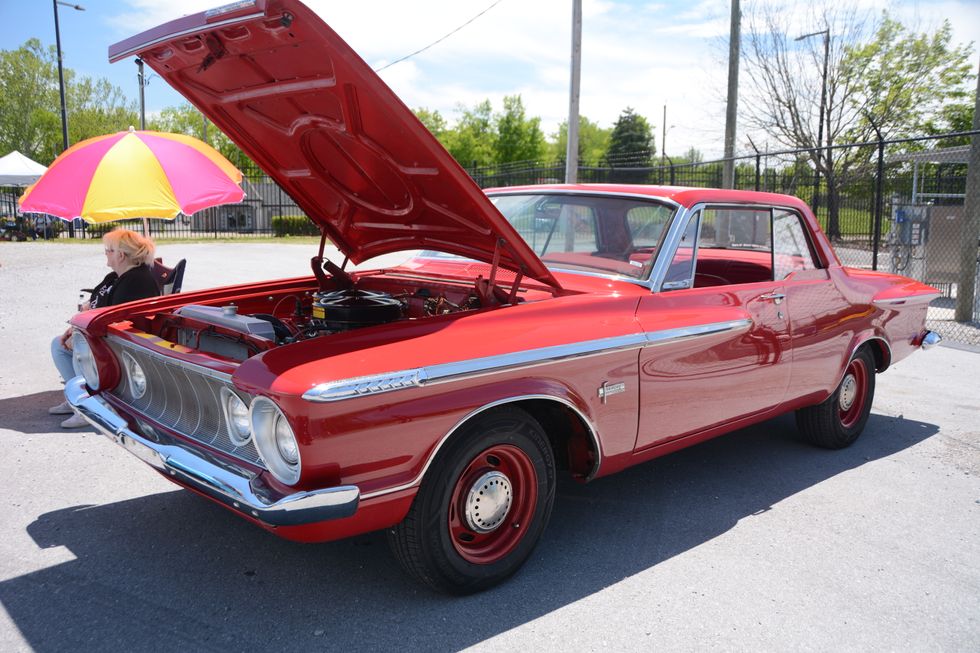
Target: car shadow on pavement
29	413
171	571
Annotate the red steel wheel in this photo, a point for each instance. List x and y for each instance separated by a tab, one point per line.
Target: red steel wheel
837	421
853	392
483	505
492	504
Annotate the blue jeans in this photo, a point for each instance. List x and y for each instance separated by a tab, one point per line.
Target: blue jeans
63	360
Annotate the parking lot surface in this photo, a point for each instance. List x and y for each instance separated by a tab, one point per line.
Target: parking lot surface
753	541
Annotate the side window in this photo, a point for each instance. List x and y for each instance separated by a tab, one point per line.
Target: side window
734	246
681	267
791	250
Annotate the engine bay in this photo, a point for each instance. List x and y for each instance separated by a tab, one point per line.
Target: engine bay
249	324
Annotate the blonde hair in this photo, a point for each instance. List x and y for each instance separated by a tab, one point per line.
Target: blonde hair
137	248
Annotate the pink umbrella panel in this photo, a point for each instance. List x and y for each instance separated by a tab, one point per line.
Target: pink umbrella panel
134	174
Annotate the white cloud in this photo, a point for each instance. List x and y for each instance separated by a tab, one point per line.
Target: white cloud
637	53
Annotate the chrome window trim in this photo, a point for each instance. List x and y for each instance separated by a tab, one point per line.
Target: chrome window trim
666	252
200	369
374	384
597	193
593	435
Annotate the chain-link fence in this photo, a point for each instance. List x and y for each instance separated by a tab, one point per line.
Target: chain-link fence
895	206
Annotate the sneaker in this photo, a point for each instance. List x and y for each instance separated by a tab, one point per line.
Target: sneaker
74	422
64	408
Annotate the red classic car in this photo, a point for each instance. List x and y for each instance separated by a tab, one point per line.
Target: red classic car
581	328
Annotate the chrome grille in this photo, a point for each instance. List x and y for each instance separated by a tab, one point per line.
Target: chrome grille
185	398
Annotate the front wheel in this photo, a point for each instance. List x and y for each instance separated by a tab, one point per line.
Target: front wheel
838	421
482	507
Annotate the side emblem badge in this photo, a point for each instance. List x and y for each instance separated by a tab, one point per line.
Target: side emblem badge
607	389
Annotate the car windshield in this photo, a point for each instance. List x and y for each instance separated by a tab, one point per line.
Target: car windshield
605	234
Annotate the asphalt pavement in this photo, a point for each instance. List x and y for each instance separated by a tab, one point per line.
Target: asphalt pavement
750	542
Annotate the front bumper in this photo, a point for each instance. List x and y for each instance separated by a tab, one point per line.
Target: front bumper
239	489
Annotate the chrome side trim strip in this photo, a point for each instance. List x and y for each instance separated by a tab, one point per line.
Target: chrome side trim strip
379	383
444	372
682	333
905	301
593	435
239	489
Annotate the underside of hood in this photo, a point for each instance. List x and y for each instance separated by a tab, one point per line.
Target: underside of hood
303	105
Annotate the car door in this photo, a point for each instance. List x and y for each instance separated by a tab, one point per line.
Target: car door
718	328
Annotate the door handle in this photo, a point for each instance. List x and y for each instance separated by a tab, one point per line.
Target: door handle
776	297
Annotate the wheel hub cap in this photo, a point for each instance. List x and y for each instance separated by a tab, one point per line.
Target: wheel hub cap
848	391
488	502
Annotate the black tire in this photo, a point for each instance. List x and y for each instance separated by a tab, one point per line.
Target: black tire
502	458
838	421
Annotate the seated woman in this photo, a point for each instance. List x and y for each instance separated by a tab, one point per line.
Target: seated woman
130	256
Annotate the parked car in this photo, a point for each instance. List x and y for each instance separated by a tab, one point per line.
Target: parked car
577	329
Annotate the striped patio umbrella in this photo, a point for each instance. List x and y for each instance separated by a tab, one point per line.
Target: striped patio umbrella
134	174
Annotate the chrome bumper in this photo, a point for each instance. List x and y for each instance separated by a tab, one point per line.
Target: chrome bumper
930	340
239	489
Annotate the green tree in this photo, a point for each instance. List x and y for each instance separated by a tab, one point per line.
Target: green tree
631	142
29	101
30	106
593	142
185	119
517	137
471	140
433	121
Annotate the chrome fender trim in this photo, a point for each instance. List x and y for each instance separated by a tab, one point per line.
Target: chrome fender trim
444	372
239	489
415	482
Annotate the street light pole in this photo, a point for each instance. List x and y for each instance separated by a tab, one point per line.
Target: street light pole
823	104
61	71
142	83
571	154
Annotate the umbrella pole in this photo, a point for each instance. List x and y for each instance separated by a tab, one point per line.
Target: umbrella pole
146	227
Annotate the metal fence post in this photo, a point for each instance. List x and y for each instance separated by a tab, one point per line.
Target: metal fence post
879	187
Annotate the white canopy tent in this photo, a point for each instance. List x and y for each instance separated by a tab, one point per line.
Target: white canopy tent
17	170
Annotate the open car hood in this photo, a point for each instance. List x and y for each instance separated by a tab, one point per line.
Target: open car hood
303	105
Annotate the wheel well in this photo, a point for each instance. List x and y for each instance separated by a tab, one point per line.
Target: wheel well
881	353
571	437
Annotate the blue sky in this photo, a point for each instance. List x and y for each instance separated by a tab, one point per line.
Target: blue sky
643	54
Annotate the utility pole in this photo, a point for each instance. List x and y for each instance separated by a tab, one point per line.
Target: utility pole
966	284
731	114
571	156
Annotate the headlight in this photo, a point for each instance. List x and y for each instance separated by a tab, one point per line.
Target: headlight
84	360
286	442
236	415
135	376
275	440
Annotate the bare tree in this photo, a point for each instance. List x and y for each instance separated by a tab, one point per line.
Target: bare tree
865	70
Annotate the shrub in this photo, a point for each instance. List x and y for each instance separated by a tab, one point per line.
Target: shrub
293	225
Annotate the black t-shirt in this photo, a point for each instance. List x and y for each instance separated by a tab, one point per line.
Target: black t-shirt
134	283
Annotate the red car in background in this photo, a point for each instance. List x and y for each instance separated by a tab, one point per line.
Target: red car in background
541	330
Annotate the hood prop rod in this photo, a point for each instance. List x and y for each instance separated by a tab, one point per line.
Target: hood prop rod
319	264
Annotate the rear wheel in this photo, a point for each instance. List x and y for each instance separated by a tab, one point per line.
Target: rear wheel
482	507
838	421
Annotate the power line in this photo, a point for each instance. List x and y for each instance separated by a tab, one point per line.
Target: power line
436	42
